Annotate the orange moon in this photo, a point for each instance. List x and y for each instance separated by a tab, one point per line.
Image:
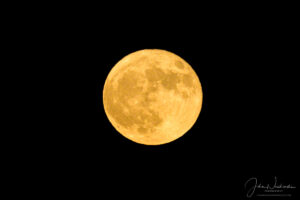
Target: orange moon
152	97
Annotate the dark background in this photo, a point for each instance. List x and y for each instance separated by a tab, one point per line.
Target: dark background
247	126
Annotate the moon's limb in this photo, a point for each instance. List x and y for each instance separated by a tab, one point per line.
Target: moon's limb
152	97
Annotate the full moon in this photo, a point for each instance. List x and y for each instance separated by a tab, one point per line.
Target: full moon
152	97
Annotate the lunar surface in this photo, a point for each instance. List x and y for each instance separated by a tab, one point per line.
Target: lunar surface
152	97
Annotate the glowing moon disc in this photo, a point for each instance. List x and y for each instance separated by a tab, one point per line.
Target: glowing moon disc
152	96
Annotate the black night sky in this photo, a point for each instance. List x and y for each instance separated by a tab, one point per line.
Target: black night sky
246	128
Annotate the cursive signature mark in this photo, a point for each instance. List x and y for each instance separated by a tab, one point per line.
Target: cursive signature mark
275	189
